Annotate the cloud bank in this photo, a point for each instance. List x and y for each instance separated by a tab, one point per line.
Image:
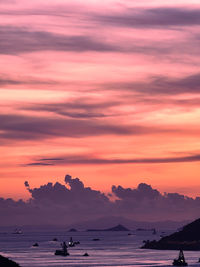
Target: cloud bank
71	202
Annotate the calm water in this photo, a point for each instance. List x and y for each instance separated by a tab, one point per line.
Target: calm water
113	249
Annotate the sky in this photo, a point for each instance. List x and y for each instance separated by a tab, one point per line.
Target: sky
108	91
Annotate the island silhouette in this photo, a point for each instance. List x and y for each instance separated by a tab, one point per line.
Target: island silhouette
5	262
118	227
188	238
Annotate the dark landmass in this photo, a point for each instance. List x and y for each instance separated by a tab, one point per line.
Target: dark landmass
5	262
109	221
102	222
72	230
186	239
143	229
119	227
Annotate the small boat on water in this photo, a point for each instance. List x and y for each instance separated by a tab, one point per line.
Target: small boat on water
73	243
181	260
86	254
63	251
17	231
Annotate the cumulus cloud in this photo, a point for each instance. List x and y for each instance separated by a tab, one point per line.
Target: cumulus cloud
72	202
146	200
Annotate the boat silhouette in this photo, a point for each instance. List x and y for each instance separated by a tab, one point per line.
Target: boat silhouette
181	260
17	231
63	251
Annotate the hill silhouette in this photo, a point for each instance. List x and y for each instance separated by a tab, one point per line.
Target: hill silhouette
187	239
5	262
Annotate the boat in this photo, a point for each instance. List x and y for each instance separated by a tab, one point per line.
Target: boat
63	251
60	252
71	242
86	254
181	260
17	232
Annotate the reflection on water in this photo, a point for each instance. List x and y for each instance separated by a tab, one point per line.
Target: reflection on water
112	249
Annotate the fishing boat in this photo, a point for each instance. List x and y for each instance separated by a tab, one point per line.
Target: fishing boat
181	260
17	231
71	242
63	251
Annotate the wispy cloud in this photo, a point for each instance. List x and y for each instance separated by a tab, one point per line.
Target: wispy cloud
27	41
20	127
76	108
92	160
161	85
153	17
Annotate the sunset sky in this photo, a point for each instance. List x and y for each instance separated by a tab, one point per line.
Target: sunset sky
108	91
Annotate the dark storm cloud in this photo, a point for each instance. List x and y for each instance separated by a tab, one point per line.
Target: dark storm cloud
149	18
31	41
89	159
65	204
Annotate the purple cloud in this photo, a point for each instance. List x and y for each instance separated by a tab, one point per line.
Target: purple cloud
73	201
149	18
92	160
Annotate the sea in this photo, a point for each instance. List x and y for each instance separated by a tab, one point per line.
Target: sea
112	249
